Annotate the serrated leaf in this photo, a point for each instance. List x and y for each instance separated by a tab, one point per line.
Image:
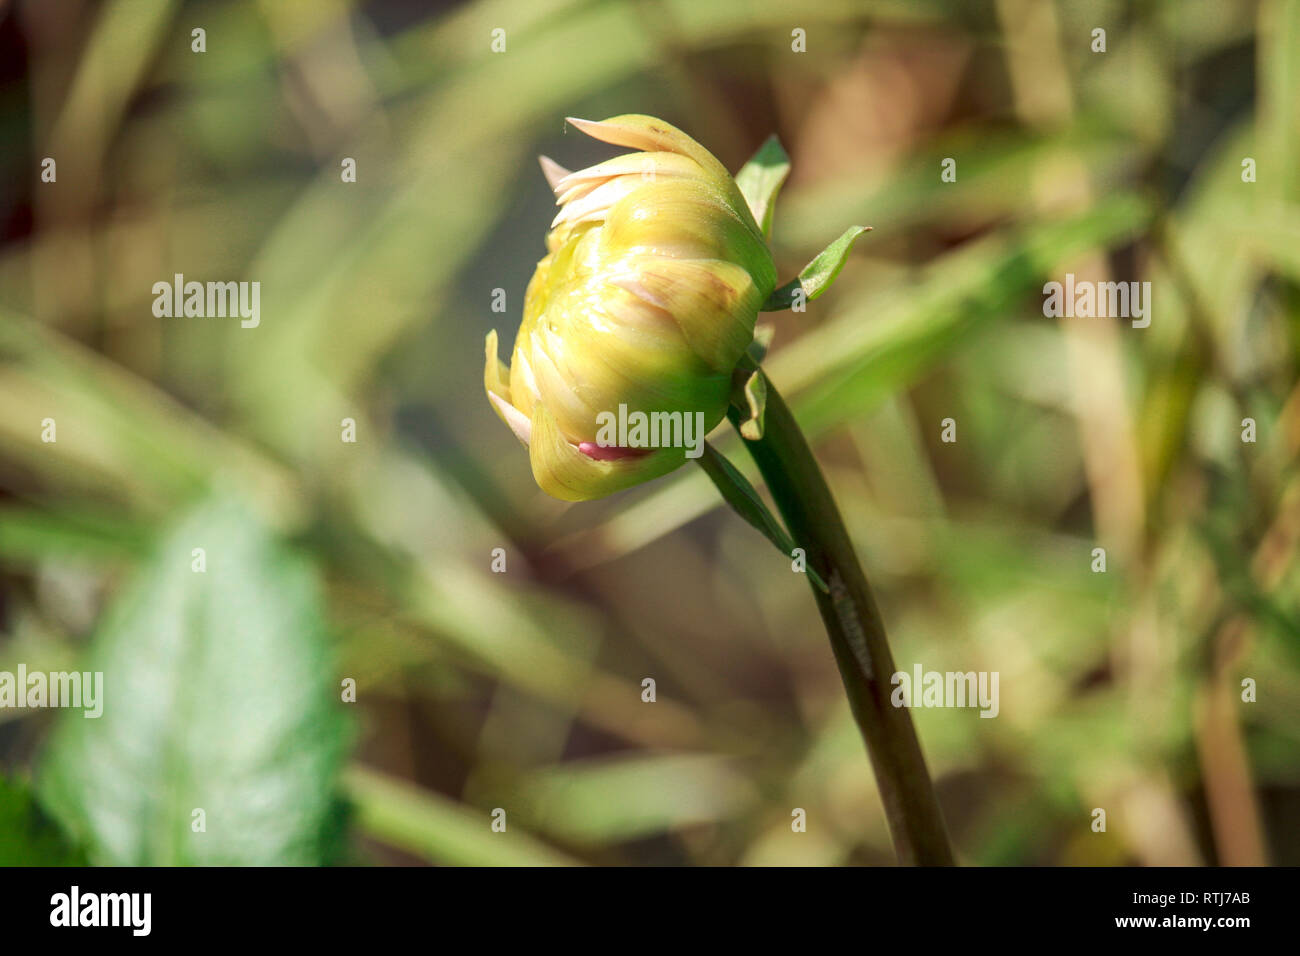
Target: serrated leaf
817	275
760	181
218	696
745	501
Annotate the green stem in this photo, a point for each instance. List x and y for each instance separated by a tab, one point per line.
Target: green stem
856	633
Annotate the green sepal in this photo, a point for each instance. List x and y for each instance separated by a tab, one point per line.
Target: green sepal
817	275
760	180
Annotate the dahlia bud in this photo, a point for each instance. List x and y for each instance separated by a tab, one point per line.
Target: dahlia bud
637	316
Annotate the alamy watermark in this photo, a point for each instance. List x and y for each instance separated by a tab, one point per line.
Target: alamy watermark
76	909
638	429
215	300
1101	300
39	689
924	688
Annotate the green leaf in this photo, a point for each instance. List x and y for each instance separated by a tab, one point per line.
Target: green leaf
217	695
27	836
744	500
817	275
760	180
846	366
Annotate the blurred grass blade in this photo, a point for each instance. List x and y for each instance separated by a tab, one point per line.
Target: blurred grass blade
128	438
31	534
125	38
438	829
607	800
875	346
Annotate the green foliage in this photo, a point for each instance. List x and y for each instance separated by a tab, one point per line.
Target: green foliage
440	830
218	697
28	837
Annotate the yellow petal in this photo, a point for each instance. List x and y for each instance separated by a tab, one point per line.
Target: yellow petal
594	205
650	133
686	219
605	346
649	166
519	422
495	373
563	472
714	303
553	171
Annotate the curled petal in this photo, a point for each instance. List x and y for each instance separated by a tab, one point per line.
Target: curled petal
519	423
652	134
647	166
563	471
495	379
553	171
593	206
495	374
684	219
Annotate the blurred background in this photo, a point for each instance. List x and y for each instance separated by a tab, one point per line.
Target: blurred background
346	680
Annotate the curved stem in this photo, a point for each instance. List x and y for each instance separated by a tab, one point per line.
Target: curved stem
856	633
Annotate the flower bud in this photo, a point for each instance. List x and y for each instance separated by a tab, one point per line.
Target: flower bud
644	303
